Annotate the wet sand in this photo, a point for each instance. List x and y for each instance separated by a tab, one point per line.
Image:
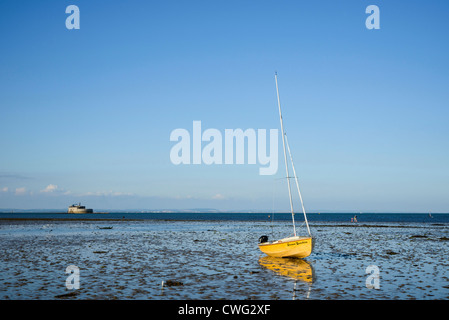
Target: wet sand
218	260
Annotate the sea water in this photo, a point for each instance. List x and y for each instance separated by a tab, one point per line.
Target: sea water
218	258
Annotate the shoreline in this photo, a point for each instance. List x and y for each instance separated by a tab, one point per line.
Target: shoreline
337	224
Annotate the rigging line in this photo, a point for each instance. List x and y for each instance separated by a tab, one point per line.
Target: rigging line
284	178
297	186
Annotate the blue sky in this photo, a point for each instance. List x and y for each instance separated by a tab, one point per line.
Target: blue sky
86	115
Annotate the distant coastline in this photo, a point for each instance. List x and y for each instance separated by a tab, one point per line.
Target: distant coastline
207	210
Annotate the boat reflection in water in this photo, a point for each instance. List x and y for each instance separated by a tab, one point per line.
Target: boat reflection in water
296	269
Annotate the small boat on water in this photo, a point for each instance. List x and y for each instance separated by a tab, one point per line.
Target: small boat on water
294	246
78	208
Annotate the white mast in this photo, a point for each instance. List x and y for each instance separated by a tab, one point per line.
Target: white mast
285	155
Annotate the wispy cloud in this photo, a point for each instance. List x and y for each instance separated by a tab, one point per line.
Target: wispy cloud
20	191
106	194
4	189
55	190
13	176
217	196
50	188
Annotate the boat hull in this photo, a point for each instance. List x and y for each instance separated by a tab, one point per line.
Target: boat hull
293	247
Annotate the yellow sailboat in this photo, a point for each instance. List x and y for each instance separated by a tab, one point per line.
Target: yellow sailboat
292	247
295	246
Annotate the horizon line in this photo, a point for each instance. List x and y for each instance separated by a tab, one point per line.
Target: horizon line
211	210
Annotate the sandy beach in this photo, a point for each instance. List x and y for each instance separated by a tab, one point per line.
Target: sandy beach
219	260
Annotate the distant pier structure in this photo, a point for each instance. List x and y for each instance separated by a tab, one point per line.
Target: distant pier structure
78	208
